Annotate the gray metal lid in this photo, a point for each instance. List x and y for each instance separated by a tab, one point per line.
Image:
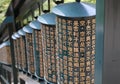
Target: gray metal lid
75	9
13	37
27	29
17	35
7	43
48	19
35	25
21	32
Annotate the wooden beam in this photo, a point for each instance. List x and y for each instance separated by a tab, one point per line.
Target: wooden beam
11	27
27	79
111	68
7	68
99	41
107	66
5	81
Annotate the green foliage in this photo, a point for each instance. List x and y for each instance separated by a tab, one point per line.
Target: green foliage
52	4
5	3
90	1
3	7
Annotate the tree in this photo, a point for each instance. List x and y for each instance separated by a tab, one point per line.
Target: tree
5	3
3	7
52	4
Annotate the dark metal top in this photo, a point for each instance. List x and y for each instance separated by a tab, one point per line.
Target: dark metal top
16	35
27	29
48	18
35	25
7	43
75	9
21	32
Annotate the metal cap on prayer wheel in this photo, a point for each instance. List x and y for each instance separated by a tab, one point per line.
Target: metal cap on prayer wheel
21	32
16	35
35	25
13	37
27	29
48	19
7	43
75	9
0	46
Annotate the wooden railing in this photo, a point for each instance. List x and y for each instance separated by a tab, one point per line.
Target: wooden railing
5	74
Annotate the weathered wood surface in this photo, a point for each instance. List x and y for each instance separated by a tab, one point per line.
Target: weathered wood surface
111	66
29	80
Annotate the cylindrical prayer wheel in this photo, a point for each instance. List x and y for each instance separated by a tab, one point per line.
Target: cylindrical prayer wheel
37	46
5	54
23	50
29	49
18	50
49	47
15	50
75	29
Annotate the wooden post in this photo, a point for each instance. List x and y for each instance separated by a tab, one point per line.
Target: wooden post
107	69
99	41
11	26
15	74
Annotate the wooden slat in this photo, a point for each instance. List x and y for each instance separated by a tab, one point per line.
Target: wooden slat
111	72
28	80
7	68
6	82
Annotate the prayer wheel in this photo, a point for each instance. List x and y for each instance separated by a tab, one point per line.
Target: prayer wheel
75	41
29	49
23	50
49	46
19	57
38	51
5	54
